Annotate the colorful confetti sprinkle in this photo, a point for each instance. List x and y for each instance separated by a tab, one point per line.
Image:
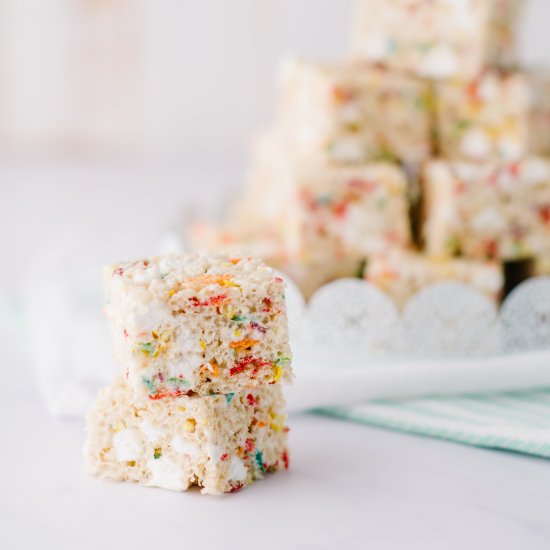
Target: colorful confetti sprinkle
243	345
258	457
285	459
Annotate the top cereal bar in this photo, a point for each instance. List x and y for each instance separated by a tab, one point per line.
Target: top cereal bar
197	324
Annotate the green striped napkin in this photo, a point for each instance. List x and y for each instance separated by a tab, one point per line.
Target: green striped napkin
515	421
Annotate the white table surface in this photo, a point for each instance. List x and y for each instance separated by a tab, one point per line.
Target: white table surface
349	486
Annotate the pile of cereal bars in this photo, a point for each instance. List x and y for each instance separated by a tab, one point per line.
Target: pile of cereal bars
202	346
421	157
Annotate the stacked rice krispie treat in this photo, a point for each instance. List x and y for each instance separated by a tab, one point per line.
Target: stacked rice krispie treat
417	159
202	343
350	113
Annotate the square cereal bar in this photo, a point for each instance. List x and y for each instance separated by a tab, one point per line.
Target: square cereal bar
218	442
196	324
484	118
316	212
402	273
345	212
494	209
332	213
353	113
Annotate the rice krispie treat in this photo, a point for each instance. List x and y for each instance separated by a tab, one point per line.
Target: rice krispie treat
183	324
484	118
304	210
346	212
312	213
435	38
218	442
402	273
353	113
336	213
490	210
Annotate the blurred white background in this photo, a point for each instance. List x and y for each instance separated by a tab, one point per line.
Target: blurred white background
165	76
154	75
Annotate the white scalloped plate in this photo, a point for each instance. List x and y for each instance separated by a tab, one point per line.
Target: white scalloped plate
351	343
353	320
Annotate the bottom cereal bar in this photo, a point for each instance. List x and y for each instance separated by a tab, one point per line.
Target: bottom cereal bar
218	442
402	273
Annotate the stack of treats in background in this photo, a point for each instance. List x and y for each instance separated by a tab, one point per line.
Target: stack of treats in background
202	345
419	159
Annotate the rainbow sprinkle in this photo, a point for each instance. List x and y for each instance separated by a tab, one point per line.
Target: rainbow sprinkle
258	457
